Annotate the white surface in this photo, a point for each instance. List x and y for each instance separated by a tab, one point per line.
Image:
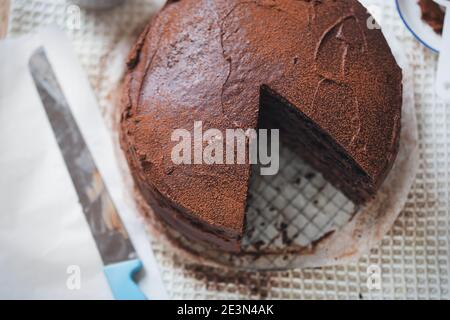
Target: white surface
411	14
443	74
42	227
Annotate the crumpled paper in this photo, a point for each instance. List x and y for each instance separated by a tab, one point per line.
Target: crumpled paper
46	248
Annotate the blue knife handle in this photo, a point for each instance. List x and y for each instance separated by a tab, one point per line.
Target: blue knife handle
120	279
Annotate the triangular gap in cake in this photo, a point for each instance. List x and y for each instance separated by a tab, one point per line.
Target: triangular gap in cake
314	145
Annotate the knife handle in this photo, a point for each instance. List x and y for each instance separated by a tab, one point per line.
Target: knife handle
120	279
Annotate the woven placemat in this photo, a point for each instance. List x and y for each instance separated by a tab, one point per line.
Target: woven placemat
412	260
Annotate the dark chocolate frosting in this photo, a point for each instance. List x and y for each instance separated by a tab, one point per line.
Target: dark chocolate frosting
208	60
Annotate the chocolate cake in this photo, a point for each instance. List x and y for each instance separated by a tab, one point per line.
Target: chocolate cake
311	68
432	14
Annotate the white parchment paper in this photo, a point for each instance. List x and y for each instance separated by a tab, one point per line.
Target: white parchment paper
43	233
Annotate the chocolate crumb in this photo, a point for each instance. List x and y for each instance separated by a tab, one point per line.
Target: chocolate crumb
310	175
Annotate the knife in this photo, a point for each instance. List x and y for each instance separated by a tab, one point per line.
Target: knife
119	257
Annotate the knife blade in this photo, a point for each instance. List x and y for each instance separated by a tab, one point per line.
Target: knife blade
119	257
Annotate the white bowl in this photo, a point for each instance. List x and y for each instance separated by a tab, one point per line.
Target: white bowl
410	13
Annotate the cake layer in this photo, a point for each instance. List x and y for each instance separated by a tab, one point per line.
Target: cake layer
316	147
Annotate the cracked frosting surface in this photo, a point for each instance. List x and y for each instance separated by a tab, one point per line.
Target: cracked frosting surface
206	60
